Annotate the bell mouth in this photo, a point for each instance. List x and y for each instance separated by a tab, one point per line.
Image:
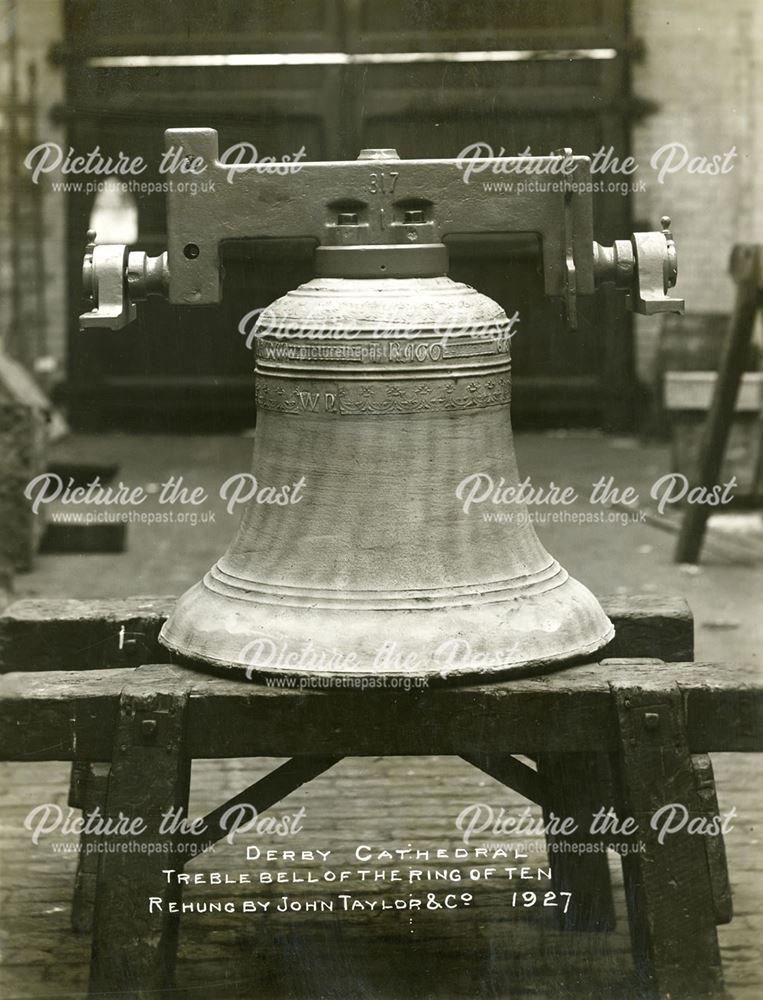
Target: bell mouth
538	629
381	396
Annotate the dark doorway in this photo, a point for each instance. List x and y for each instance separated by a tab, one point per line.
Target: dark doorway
553	74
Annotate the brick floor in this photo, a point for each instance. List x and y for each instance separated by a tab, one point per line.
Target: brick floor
487	950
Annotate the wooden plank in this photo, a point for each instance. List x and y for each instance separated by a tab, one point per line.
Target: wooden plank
70	715
261	795
694	391
578	785
62	538
59	715
50	634
651	626
668	891
746	271
563	712
575	785
88	533
723	718
510	772
134	948
88	793
715	850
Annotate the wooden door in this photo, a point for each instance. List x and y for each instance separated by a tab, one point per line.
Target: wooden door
190	368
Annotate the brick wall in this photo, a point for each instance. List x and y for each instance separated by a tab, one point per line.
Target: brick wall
704	68
38	24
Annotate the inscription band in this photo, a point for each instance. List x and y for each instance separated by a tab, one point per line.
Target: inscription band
339	398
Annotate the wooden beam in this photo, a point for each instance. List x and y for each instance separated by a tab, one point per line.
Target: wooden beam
578	785
667	883
47	634
70	715
715	850
510	772
133	945
649	625
89	784
747	271
261	795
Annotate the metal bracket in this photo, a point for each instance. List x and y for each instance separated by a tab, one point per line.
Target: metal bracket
115	278
377	200
646	266
104	277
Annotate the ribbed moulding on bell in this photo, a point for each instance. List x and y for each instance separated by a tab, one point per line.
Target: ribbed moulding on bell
377	399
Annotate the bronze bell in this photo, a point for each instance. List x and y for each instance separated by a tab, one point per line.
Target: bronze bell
383	391
381	394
